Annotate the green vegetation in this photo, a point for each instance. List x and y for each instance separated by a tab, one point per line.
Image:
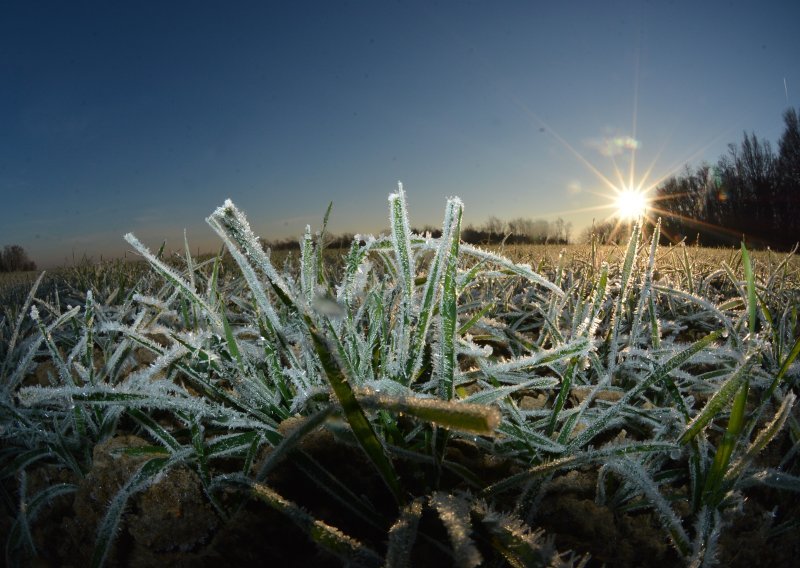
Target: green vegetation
420	398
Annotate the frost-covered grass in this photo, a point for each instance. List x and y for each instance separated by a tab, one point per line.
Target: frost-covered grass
665	374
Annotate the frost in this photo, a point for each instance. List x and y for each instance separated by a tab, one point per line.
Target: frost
454	513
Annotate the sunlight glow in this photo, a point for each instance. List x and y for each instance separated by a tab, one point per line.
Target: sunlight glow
631	204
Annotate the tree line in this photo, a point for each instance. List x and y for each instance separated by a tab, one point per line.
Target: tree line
751	192
13	258
494	231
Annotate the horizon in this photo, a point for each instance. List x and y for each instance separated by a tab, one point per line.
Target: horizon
145	118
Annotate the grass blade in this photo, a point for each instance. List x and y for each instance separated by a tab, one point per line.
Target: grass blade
473	418
717	402
448	310
362	429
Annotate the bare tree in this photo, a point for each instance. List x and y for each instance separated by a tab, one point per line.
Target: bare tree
495	226
14	258
788	174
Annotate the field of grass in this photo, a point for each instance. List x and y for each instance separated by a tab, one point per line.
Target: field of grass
408	402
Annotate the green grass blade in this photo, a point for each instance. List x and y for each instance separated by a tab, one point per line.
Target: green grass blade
290	441
712	489
362	429
784	368
563	393
752	302
717	402
763	438
475	319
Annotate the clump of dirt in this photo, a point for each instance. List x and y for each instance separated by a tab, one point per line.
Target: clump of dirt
569	511
171	515
750	541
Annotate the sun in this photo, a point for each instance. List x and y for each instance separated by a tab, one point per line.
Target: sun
631	204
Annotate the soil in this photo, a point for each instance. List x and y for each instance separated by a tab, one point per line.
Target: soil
172	522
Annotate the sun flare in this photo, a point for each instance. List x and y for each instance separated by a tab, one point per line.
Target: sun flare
631	204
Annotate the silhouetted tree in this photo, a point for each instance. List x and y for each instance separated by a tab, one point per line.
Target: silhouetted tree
683	202
14	258
788	176
750	192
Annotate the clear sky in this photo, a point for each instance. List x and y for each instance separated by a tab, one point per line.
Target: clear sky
145	116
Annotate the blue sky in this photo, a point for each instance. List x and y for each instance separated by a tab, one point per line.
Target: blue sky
145	116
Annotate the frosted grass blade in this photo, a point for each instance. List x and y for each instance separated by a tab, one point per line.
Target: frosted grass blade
329	538
401	241
12	342
20	535
717	402
173	278
249	273
752	303
437	271
106	532
448	309
624	286
577	348
645	294
190	271
763	438
231	224
661	372
634	472
520	546
493	394
308	266
454	513
402	535
320	271
575	460
463	416
523	270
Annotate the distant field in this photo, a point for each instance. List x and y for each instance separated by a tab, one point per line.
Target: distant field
14	286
